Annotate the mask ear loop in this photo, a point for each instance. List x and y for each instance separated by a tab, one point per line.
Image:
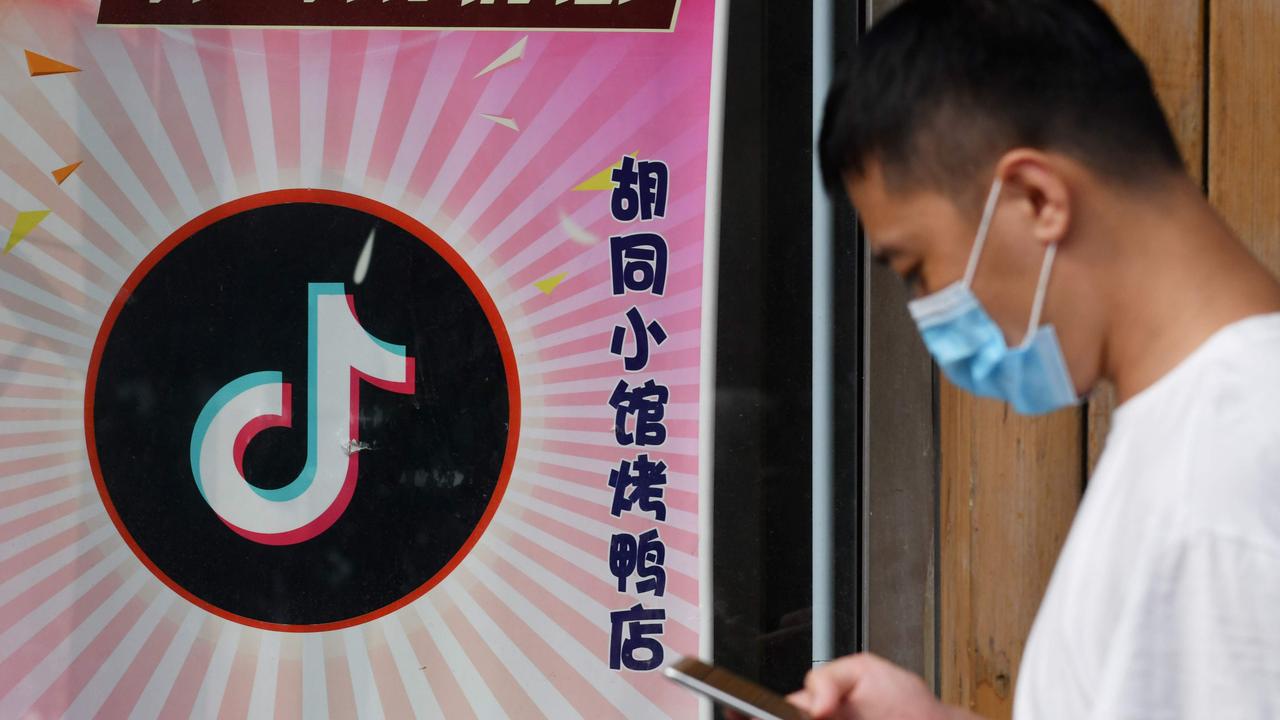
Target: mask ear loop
984	227
1042	288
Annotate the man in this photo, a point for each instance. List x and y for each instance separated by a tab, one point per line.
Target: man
1008	158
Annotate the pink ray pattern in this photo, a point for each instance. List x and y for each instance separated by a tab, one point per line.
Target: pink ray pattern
164	118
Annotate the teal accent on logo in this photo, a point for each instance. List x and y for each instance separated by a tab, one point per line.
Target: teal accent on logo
211	409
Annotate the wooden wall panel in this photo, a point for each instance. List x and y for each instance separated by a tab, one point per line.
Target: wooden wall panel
1009	486
1009	489
1169	36
1244	121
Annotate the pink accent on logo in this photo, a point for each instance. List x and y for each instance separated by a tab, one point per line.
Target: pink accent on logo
263	422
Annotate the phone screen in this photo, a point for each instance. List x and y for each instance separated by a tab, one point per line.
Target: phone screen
732	691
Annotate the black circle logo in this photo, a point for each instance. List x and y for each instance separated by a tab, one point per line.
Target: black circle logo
302	410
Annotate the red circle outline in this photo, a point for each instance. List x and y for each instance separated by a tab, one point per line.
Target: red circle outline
377	209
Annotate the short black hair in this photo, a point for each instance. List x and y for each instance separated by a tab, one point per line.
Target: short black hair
939	89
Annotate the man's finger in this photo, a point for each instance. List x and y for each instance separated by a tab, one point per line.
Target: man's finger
829	684
801	699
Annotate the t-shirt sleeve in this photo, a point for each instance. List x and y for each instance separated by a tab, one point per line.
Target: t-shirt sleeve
1199	637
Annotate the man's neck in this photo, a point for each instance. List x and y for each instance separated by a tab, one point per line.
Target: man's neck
1184	277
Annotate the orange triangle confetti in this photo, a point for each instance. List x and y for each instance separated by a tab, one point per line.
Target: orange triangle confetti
61	174
549	285
40	65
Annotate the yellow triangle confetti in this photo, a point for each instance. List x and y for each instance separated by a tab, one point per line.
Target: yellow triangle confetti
602	180
61	174
22	227
549	285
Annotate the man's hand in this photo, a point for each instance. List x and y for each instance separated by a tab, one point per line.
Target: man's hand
866	687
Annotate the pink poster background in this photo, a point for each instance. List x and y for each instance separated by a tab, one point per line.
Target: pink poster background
168	123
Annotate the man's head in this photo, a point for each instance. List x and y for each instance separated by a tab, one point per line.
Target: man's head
944	96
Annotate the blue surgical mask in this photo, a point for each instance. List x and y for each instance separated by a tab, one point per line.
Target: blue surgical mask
970	348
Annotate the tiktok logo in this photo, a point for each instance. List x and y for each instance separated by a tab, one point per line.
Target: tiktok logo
277	459
340	354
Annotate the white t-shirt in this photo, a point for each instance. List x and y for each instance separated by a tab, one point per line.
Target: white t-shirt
1165	602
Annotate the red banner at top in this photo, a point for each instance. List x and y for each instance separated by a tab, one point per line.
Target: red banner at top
473	14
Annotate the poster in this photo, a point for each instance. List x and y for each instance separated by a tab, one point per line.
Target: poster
352	358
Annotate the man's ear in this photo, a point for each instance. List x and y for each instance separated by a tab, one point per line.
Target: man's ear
1037	180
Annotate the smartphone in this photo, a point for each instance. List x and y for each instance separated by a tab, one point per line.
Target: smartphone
725	688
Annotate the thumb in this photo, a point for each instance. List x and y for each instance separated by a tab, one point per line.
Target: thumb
830	684
802	700
824	695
